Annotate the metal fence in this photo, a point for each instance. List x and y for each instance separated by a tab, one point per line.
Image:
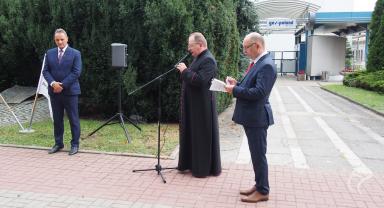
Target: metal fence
285	61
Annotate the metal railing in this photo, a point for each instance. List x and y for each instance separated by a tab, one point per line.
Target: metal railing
286	61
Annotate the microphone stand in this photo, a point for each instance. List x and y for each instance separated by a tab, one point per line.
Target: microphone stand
158	167
160	76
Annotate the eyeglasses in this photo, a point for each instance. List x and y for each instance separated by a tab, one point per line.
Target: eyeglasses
246	47
193	43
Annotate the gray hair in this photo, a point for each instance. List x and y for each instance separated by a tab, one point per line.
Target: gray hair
256	37
60	30
199	38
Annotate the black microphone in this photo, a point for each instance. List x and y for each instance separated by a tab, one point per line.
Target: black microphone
182	59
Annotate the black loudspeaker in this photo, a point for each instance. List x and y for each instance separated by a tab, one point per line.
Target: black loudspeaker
119	61
119	55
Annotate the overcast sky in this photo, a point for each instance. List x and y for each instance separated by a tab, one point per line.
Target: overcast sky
364	5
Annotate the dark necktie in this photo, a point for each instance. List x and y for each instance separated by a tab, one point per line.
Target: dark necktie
61	53
249	68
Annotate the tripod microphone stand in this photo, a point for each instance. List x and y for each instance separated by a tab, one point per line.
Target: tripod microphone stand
119	115
158	167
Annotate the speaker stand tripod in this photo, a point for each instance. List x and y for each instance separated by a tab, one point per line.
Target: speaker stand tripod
119	115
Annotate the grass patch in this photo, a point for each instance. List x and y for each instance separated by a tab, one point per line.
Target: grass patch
367	98
110	138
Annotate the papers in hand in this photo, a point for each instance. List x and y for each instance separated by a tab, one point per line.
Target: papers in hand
217	85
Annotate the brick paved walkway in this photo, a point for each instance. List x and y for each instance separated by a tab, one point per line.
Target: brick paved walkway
323	151
32	178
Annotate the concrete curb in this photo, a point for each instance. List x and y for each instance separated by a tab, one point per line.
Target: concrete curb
91	152
352	101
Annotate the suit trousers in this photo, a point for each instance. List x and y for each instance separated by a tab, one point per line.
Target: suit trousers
69	103
257	142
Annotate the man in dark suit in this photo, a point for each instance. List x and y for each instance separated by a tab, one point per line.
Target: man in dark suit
254	112
62	71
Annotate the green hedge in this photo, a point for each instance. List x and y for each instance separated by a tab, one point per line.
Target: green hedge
373	81
156	32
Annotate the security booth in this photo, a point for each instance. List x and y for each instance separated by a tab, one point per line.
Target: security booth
325	40
319	37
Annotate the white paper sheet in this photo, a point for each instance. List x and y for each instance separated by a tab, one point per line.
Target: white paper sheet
217	85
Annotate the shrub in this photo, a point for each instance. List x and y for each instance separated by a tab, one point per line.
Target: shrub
373	81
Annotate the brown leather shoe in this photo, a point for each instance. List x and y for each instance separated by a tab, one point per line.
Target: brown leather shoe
255	197
248	191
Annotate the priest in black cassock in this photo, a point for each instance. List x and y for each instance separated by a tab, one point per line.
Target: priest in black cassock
199	131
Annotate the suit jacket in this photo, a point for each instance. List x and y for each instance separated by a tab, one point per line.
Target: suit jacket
252	93
67	72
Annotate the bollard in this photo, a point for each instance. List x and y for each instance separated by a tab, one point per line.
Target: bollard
325	76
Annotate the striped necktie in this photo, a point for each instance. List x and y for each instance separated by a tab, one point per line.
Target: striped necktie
61	53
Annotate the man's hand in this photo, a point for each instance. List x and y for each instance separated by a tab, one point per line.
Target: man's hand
229	88
231	83
57	87
181	67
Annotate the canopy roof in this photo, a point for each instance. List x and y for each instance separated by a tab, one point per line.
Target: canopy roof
288	9
292	9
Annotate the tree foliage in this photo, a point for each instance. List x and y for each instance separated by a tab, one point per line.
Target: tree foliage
376	41
247	19
348	55
156	32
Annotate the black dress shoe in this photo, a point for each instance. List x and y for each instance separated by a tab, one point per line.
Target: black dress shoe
54	149
73	150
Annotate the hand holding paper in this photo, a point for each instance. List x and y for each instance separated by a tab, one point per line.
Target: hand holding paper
230	81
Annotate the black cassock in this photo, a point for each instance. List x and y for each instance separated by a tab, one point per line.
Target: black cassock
199	131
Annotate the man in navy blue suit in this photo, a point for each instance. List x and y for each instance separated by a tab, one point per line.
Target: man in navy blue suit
62	71
254	112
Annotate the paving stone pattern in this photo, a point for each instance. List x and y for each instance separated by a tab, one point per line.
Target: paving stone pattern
323	151
23	112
